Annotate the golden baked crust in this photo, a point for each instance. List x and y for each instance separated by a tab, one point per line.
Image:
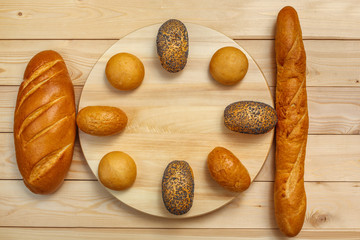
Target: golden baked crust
101	120
44	123
228	65
117	170
227	170
293	123
125	71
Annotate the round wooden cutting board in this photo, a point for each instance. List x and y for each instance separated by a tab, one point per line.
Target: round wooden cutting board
175	116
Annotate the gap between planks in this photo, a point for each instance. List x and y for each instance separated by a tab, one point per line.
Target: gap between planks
330	62
325	155
330	205
181	233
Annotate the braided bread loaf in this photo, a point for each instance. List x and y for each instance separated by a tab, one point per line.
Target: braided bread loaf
293	123
44	123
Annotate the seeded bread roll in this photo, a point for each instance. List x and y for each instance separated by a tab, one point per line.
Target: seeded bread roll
293	123
177	187
44	123
172	44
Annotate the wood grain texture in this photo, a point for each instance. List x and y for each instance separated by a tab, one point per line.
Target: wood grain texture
82	30
115	19
332	110
79	56
326	154
165	234
175	117
330	62
87	204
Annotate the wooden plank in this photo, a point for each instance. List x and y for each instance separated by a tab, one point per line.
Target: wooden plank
84	210
165	234
87	204
80	56
114	19
332	110
329	62
325	155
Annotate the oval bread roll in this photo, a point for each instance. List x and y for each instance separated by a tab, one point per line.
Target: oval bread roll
44	123
227	170
101	120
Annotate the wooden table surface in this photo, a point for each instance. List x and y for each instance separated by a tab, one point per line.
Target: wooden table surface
82	30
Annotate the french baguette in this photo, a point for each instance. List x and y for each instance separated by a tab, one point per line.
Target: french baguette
293	123
44	123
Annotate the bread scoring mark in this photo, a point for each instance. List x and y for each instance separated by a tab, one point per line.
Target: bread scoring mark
294	46
298	125
36	87
45	130
36	113
46	163
39	71
296	96
294	176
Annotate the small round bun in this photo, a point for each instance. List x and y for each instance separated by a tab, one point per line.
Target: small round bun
125	71
228	65
117	170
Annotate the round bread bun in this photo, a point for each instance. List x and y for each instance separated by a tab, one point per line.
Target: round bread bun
117	170
125	71
228	65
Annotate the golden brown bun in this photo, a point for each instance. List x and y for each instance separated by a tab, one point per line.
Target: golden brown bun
117	170
125	71
228	65
44	123
101	120
227	170
293	123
